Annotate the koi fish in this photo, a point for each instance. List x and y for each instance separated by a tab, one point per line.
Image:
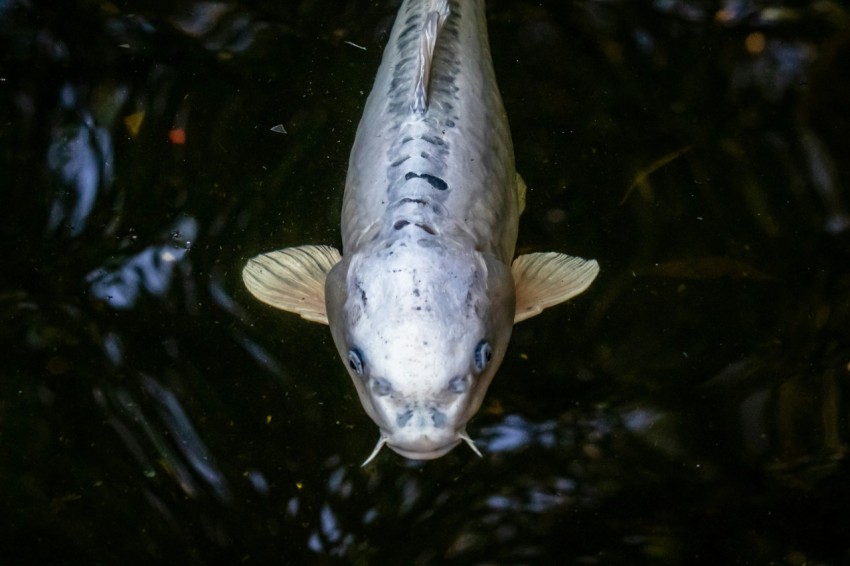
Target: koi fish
422	302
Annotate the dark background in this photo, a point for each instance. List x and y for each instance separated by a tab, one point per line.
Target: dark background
690	407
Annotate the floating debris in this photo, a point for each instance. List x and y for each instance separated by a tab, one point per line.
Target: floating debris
133	122
177	136
351	43
641	182
279	129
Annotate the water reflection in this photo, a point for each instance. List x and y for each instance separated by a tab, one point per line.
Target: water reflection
221	26
150	270
826	181
515	433
187	439
81	161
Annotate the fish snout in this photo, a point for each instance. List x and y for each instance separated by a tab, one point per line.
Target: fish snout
421	418
422	433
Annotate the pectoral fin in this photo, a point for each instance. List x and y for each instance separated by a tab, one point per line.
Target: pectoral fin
546	279
520	193
292	279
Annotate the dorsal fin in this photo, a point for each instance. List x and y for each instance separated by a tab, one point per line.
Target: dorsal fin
434	20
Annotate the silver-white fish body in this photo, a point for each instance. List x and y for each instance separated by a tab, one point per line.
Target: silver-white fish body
462	138
422	303
429	225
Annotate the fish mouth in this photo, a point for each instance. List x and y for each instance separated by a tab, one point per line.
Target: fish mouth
426	454
424	449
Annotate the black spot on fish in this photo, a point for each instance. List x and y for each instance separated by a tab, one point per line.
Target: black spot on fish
400	224
408	30
404	43
403	418
381	387
425	155
424	227
450	123
432	140
435	182
438	418
399	161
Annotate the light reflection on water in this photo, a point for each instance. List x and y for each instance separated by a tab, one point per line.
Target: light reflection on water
150	271
691	405
515	433
81	160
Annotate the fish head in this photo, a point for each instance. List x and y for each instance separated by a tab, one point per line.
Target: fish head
422	328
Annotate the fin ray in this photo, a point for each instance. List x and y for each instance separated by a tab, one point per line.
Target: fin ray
543	280
292	279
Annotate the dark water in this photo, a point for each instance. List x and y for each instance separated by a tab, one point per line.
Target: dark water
691	407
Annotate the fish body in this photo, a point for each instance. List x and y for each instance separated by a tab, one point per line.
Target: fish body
454	151
422	302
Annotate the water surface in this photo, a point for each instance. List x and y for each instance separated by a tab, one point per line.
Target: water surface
691	407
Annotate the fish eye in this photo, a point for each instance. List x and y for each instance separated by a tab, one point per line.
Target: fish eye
483	353
355	361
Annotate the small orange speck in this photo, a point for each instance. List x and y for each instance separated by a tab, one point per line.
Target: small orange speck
755	43
299	485
494	407
268	419
177	136
724	16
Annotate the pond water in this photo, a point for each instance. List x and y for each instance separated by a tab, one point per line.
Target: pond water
690	407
